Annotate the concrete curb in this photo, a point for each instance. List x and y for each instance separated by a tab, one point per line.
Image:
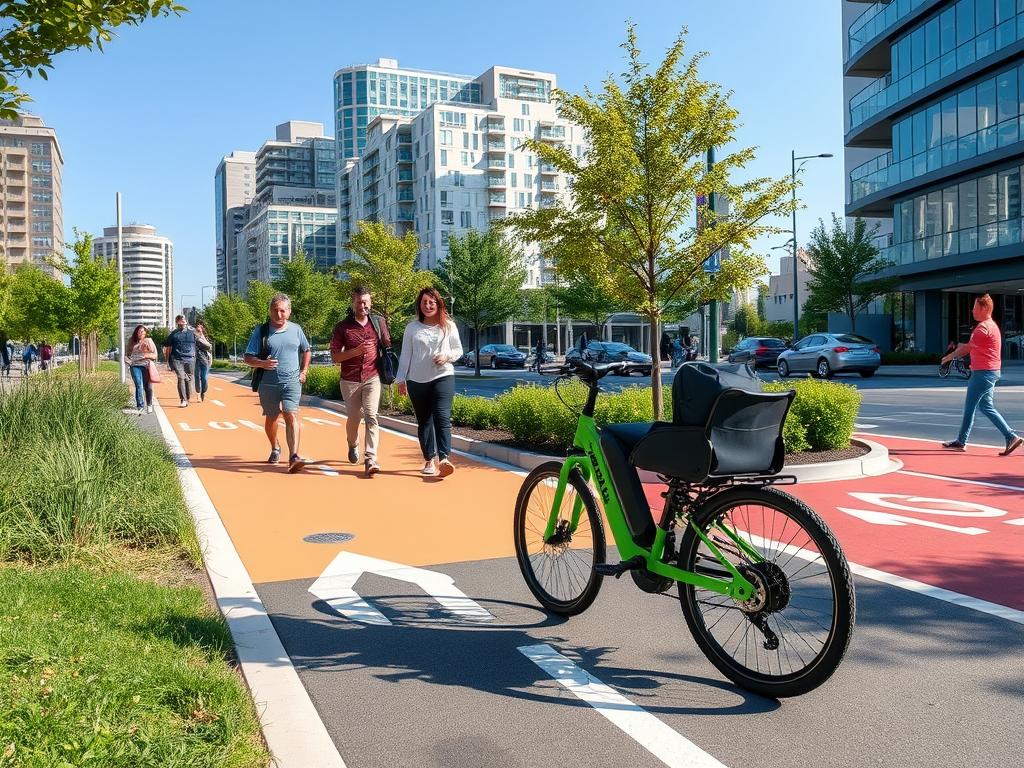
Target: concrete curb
875	462
294	732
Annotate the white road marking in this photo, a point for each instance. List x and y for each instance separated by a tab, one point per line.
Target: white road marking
223	425
1018	521
335	586
865	426
984	483
652	734
218	402
325	469
186	428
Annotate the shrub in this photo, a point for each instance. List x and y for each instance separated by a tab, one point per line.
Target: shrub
475	412
825	410
323	381
911	357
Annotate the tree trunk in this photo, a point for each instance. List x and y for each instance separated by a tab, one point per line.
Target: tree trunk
476	351
853	316
655	351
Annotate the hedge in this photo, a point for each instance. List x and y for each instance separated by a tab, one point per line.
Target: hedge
826	412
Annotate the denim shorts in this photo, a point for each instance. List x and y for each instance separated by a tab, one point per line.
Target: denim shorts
275	396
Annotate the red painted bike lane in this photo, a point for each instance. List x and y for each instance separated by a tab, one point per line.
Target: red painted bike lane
945	519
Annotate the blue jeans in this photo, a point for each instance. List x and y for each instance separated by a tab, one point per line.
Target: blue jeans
140	375
202	377
979	398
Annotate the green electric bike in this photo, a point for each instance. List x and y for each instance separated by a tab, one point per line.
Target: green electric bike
764	585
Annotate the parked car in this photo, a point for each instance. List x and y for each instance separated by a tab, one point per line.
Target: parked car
759	351
467	358
825	354
501	356
611	352
323	357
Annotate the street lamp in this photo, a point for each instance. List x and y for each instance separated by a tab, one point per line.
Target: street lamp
796	271
202	293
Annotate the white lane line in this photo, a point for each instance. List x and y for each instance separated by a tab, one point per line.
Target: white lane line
651	733
985	483
865	426
218	402
934	441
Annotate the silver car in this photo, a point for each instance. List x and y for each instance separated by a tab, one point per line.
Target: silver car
824	354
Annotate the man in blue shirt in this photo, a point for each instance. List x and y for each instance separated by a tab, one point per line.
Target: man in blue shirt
180	353
284	361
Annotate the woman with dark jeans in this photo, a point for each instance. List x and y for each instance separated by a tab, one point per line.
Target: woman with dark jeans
425	372
204	357
141	350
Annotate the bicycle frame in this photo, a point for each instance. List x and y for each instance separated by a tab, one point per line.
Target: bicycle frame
590	461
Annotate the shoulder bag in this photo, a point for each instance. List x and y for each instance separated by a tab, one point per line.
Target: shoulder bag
387	360
257	373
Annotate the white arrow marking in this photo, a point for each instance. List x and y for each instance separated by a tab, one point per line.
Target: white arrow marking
1018	521
887	518
653	735
218	402
336	587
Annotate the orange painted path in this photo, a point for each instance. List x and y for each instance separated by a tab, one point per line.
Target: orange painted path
398	515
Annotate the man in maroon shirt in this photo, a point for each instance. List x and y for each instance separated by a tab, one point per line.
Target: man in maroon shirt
355	346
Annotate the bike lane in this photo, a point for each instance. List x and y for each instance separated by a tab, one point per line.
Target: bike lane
437	683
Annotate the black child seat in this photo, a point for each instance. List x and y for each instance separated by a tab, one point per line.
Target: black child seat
722	425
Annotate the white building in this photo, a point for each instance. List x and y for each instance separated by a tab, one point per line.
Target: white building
274	232
233	189
148	267
778	303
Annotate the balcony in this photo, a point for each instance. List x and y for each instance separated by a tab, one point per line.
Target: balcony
495	125
968	240
496	162
496	146
496	199
496	182
405	195
404	155
405	177
552	133
549	187
406	213
878	19
546	169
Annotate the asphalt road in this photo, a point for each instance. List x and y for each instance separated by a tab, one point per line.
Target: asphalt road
909	406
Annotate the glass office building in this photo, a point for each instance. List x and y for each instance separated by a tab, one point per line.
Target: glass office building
935	153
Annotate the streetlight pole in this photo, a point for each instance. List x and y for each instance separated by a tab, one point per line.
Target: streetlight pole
796	270
202	293
120	299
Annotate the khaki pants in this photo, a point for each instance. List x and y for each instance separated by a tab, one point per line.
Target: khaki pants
361	402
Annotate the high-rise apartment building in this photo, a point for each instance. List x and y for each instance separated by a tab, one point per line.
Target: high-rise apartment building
31	213
935	152
274	232
300	160
457	166
234	186
148	268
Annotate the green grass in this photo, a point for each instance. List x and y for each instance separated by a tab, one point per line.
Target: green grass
111	670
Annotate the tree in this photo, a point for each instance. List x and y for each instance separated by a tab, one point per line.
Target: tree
746	322
159	336
485	274
845	268
257	296
227	317
35	305
91	305
635	191
314	294
591	298
386	264
37	30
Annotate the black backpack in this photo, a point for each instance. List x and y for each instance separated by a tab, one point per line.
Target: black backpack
387	360
264	353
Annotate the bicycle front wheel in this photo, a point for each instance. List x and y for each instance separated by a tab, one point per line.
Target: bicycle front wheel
792	634
559	572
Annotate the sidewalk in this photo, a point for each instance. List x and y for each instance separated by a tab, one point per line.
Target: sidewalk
1012	374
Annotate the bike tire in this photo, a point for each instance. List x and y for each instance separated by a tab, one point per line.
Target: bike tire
540	562
836	590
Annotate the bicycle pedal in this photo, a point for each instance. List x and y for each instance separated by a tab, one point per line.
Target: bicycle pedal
617	569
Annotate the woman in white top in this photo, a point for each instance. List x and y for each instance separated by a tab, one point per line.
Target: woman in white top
141	350
425	372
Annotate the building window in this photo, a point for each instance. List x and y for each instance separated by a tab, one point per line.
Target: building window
465	158
444	157
466	219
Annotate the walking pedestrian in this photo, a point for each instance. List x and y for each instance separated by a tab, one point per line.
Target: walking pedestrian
355	346
425	371
45	356
180	353
6	355
539	353
280	350
204	358
665	346
678	353
985	349
141	350
28	354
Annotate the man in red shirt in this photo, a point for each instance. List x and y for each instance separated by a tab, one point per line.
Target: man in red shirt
985	349
355	345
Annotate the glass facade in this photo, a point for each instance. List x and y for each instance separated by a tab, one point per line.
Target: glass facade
968	217
970	122
963	33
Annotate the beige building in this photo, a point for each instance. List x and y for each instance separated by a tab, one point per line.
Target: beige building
31	214
778	302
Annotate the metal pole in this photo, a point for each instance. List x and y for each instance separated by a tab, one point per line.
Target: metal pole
713	305
120	298
796	281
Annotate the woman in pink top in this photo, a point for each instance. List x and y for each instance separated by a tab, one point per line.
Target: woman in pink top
985	351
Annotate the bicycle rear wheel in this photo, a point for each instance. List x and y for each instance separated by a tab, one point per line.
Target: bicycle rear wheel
560	572
792	634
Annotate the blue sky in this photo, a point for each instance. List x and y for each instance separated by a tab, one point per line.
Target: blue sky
153	115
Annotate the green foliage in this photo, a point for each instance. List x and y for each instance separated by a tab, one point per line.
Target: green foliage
844	269
484	274
36	31
37	303
227	318
386	264
826	410
475	412
632	212
323	381
315	300
779	329
257	296
729	340
108	669
745	321
589	296
911	357
538	305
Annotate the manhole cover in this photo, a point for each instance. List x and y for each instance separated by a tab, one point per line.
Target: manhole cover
331	537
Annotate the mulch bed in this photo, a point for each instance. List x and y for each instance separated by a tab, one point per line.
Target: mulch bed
501	437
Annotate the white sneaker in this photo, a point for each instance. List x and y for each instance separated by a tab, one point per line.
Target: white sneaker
429	469
184	404
149	409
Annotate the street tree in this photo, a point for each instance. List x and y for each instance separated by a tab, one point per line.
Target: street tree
845	269
746	322
159	336
484	273
35	32
635	190
386	264
590	297
227	317
257	296
36	303
91	306
314	294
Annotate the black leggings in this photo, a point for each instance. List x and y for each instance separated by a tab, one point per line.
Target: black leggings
432	404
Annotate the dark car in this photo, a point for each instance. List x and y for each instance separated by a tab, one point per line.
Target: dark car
612	352
501	356
468	359
759	351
